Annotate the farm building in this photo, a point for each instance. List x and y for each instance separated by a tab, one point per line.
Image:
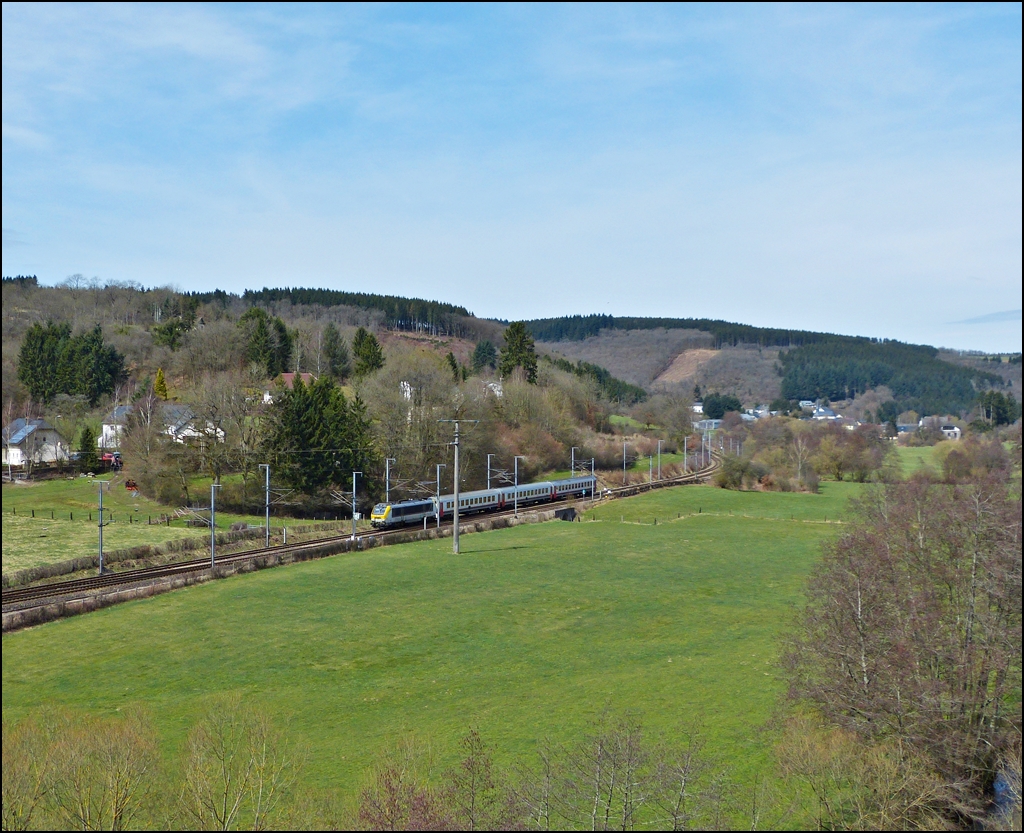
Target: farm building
33	442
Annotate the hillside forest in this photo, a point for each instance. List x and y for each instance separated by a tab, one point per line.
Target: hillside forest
320	383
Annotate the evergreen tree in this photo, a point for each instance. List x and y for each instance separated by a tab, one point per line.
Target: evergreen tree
53	361
259	344
318	437
88	459
282	347
716	405
335	353
160	384
518	352
484	355
367	352
453	366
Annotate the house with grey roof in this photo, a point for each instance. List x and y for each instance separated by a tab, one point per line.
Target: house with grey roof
112	427
182	425
32	442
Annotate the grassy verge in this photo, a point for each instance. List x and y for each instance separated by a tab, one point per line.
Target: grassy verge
529	634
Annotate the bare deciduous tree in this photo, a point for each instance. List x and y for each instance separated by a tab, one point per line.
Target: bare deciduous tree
237	769
101	771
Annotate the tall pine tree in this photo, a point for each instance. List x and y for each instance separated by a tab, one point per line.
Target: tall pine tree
335	353
518	352
367	351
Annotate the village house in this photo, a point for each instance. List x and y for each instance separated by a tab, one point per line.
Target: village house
112	428
288	381
29	442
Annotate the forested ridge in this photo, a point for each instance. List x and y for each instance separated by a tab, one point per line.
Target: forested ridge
819	366
726	333
399	313
918	379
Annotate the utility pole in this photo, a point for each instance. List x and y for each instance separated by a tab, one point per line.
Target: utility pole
623	462
100	527
455	519
213	523
650	467
572	464
515	491
659	458
489	456
354	503
267	499
437	514
387	478
685	440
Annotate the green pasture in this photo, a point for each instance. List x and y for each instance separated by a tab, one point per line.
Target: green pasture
64	524
914	459
529	634
666	505
626	422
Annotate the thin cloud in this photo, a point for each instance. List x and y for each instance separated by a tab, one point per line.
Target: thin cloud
1007	316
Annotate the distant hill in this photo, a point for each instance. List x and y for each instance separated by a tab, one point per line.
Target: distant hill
811	365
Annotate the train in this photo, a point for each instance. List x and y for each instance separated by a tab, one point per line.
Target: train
436	509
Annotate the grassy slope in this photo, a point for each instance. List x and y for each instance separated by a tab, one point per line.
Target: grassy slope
29	541
529	634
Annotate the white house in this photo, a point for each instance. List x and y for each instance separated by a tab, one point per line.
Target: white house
112	427
698	407
180	425
951	432
33	441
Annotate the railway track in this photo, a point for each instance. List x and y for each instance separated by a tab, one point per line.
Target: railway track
23	598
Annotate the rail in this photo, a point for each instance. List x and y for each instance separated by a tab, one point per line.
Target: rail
23	598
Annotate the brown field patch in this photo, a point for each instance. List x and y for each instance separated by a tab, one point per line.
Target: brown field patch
685	366
461	348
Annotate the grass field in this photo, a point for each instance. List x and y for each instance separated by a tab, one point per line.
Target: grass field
62	528
530	633
913	459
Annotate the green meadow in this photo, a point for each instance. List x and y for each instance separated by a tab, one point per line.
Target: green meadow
55	520
529	634
62	529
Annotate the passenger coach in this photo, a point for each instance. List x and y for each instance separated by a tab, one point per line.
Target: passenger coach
404	513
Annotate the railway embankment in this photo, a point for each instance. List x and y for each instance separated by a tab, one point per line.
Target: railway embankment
40	609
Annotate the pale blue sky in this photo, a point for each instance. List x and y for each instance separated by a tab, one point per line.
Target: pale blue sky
843	168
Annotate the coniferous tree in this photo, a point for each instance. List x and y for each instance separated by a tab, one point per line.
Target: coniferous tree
88	459
484	355
160	384
518	352
259	345
53	361
453	366
335	353
367	352
282	347
318	436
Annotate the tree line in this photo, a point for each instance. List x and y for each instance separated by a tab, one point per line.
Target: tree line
726	333
52	361
399	313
